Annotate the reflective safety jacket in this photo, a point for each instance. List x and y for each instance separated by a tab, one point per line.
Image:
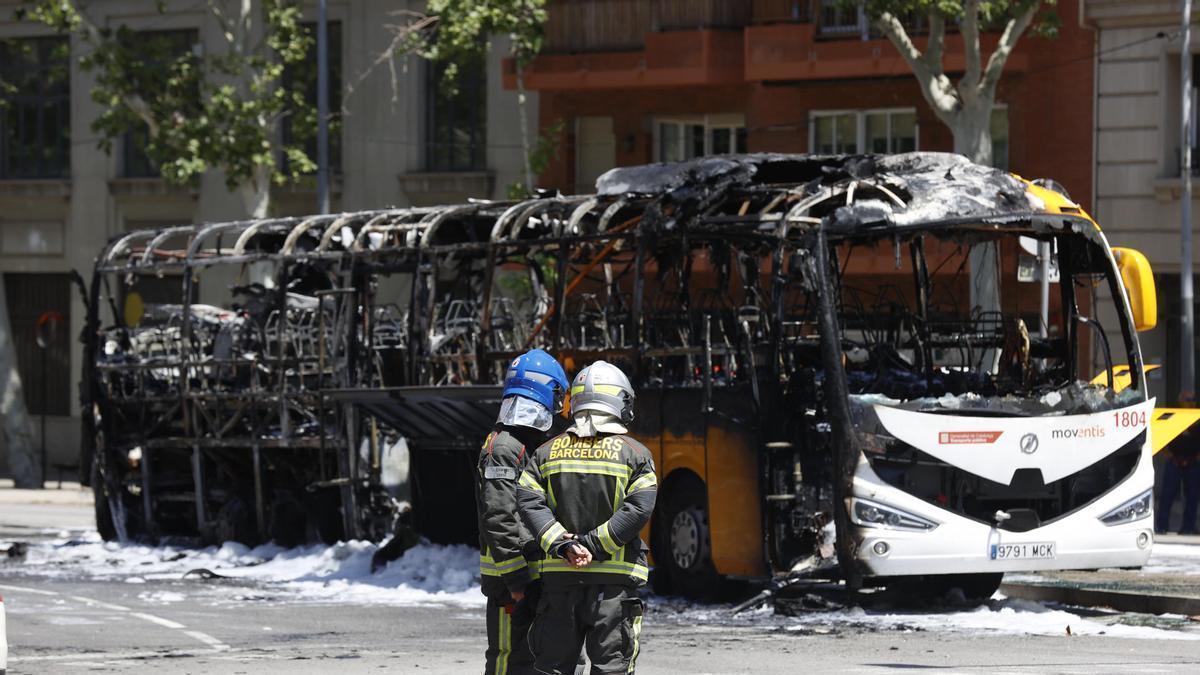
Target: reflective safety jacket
504	541
602	490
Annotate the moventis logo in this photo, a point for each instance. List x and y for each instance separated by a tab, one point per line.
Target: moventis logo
1094	431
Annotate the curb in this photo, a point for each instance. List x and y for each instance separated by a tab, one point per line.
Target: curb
1091	597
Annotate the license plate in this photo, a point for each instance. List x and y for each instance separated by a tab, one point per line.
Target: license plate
1030	551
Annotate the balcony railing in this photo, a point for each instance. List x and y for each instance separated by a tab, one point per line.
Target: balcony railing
778	11
621	25
582	26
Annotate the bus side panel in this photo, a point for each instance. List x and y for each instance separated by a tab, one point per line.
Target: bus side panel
734	499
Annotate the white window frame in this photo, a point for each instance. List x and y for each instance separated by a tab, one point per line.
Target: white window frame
711	122
860	125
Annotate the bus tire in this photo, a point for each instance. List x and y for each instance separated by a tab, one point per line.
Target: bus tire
684	546
104	518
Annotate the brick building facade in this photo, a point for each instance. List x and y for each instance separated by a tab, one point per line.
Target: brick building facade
640	81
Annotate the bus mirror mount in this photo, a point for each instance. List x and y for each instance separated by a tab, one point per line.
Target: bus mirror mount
1138	279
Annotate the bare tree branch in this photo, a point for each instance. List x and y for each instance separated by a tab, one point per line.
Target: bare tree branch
402	35
136	104
1008	39
937	43
935	86
970	35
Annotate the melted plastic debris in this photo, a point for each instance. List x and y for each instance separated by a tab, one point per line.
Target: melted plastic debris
662	177
936	186
1074	399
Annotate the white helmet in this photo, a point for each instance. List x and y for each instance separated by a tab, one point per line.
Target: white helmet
602	387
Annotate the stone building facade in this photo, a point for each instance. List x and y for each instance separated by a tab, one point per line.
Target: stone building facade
1137	139
402	141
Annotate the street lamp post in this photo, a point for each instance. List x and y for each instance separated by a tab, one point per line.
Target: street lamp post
323	107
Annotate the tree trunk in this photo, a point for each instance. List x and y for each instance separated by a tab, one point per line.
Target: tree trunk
23	461
256	193
524	129
972	137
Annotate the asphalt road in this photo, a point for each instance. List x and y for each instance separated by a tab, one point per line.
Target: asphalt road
58	625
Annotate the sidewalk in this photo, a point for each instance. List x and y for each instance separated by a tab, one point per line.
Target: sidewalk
71	494
1168	584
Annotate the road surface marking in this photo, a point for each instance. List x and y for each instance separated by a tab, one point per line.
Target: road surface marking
97	603
27	590
165	623
207	639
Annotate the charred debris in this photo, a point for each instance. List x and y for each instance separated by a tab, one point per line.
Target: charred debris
270	379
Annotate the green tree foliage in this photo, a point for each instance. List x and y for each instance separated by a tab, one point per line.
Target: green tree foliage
463	26
200	110
460	33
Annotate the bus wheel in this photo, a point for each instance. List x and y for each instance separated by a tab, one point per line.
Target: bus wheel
684	546
105	526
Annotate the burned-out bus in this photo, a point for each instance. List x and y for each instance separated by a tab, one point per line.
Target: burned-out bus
883	361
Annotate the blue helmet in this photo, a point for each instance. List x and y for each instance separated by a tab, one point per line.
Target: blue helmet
537	376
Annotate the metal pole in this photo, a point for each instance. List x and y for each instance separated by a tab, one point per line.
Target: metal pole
45	408
1187	366
1044	304
323	107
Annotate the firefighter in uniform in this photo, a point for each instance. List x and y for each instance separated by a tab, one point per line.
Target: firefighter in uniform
535	388
585	496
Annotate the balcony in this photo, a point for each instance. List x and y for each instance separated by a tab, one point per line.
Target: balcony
590	26
629	44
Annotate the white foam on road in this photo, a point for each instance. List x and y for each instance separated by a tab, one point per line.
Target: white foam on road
426	574
1008	616
1000	615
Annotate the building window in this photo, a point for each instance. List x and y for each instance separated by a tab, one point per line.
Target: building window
302	77
837	18
998	127
456	117
834	133
859	131
45	373
160	52
678	139
891	131
35	108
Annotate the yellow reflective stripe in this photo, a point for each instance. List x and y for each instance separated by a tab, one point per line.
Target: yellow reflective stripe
603	566
610	389
505	638
528	481
488	566
606	541
576	466
637	643
551	535
646	481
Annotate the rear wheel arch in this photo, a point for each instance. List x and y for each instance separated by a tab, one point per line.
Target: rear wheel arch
680	537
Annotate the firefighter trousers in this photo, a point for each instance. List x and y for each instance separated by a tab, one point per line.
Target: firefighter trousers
507	627
606	620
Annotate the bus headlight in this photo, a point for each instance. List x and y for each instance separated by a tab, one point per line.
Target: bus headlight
874	514
1134	509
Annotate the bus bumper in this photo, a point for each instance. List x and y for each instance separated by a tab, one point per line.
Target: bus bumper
959	545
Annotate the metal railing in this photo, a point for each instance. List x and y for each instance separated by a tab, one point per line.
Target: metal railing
621	25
